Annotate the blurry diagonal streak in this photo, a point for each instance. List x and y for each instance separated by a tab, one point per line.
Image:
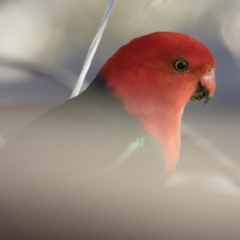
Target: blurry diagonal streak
228	165
93	48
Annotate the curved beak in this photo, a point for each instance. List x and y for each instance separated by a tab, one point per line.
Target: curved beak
205	87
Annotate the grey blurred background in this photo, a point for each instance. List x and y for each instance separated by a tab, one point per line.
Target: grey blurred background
43	44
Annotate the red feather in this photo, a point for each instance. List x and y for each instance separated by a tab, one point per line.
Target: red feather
142	76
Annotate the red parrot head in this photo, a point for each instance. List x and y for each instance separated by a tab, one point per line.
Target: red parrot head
155	76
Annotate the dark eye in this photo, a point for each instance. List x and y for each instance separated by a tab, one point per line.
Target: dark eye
180	65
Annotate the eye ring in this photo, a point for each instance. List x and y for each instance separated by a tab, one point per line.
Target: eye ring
180	65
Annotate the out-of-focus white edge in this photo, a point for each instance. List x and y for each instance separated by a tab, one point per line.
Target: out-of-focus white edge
93	48
217	154
212	182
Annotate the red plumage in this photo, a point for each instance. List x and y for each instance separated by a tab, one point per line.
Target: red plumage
142	75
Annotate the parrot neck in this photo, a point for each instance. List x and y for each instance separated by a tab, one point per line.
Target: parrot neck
160	115
166	129
162	120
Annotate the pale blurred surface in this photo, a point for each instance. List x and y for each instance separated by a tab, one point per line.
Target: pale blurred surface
42	48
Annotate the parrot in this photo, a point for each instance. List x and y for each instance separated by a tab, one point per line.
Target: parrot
127	123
